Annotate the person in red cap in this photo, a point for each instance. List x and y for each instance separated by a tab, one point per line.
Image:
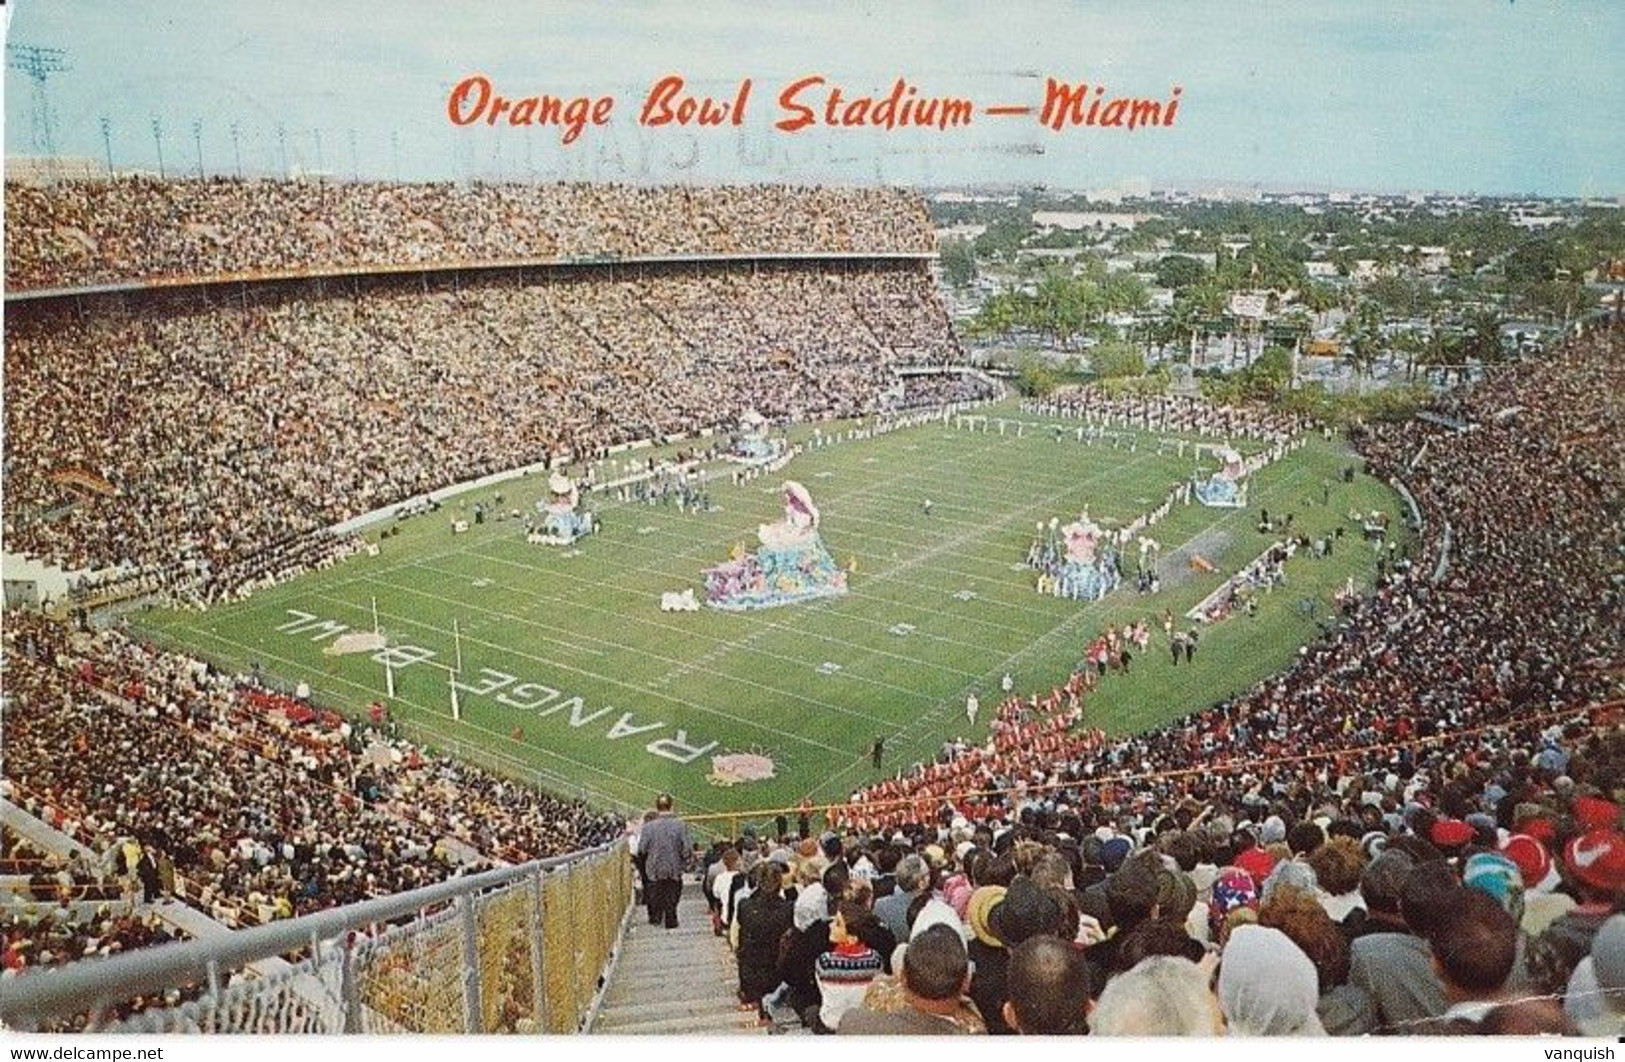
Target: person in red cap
1595	813
1594	867
1452	835
1257	863
1542	903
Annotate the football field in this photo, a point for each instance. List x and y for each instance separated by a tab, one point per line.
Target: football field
570	674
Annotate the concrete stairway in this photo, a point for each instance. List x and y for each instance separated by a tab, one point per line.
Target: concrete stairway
676	981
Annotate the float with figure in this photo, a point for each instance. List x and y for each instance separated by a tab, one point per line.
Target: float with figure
751	444
790	565
1077	562
1226	488
561	521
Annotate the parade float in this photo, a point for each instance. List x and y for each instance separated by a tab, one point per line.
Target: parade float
1076	562
752	445
790	565
1226	488
562	521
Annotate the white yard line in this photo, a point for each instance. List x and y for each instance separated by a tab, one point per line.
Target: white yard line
929	718
689	631
505	650
374	692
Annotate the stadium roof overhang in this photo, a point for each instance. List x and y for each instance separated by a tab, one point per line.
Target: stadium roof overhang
414	268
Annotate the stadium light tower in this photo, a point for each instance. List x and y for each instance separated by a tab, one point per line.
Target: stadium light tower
237	147
38	64
355	162
158	141
197	142
395	152
282	146
107	141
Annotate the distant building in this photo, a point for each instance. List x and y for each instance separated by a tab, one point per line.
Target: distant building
973	197
1077	221
1433	259
1535	222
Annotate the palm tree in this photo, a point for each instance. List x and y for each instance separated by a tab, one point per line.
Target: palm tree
1407	344
1483	340
1320	299
1361	333
1441	351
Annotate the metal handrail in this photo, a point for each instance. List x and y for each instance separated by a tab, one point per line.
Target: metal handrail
83	986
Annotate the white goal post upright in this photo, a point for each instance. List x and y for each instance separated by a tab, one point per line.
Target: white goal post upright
389	669
454	671
457	672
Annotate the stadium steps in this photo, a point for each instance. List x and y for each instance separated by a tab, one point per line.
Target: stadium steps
674	981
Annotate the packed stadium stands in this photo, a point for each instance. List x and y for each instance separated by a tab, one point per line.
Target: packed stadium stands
199	439
266	806
77	233
1438	777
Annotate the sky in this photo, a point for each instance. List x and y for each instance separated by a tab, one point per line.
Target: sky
1486	96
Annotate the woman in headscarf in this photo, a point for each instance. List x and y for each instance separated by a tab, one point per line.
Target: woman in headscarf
1267	985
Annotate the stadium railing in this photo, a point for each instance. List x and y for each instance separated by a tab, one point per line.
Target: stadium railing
523	949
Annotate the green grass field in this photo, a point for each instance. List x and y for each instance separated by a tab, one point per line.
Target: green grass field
573	676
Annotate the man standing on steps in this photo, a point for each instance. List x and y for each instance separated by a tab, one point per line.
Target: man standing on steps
664	844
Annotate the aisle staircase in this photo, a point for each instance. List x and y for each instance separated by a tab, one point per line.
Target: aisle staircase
679	981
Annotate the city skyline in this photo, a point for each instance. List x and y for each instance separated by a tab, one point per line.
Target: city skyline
1388	98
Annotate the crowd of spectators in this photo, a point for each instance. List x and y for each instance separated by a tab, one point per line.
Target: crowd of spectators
1061	918
945	389
1415	829
216	439
39	876
41	936
58	910
78	233
263	806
